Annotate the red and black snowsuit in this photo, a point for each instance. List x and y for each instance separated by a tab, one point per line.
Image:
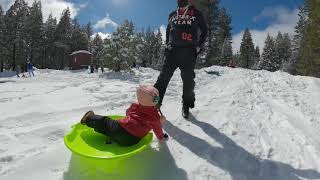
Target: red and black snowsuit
186	31
137	123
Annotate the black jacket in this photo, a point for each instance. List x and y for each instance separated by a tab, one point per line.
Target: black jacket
186	29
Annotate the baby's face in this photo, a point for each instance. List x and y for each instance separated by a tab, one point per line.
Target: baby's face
148	95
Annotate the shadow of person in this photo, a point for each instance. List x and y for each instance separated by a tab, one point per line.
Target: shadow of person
162	165
155	164
241	164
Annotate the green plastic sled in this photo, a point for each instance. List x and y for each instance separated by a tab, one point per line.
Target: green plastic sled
85	142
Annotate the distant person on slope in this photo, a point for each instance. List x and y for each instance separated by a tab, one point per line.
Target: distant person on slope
141	117
184	42
30	69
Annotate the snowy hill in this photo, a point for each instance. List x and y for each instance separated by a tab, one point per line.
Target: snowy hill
247	125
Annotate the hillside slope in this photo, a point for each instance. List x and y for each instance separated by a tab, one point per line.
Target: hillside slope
246	124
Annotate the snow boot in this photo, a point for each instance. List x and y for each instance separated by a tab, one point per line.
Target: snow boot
185	111
84	119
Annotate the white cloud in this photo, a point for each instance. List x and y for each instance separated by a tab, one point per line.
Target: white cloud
103	23
83	5
279	14
102	35
55	7
283	20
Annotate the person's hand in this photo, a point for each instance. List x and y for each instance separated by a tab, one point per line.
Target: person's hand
163	120
168	47
167	50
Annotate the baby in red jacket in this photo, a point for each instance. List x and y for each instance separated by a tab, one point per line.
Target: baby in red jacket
141	117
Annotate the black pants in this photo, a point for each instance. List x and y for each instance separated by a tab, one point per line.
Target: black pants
185	59
111	128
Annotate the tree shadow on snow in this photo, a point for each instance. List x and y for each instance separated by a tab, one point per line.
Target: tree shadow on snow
241	164
155	164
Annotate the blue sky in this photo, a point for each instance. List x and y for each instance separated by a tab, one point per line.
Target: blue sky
154	13
261	16
243	12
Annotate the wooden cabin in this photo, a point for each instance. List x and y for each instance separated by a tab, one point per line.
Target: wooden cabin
80	60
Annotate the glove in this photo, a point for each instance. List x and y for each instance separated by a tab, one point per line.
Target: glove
166	137
167	50
168	47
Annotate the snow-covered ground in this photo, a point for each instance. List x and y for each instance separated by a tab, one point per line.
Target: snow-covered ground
247	125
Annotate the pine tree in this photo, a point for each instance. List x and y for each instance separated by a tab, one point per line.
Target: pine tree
236	57
309	51
148	43
226	52
280	51
158	46
299	35
89	32
118	53
257	57
35	32
3	48
151	44
49	39
302	23
247	59
141	51
96	48
15	20
213	45
217	49
225	37
287	53
62	39
79	38
269	56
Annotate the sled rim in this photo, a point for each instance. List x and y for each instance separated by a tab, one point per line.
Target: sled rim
77	142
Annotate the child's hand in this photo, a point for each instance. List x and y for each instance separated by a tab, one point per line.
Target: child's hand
163	120
165	139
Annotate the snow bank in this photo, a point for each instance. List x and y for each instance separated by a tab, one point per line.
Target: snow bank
246	124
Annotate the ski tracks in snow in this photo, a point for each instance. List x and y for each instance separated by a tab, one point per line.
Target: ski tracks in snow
246	125
267	114
36	114
288	108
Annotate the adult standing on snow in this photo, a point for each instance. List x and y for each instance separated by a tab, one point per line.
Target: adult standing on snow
30	69
184	41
